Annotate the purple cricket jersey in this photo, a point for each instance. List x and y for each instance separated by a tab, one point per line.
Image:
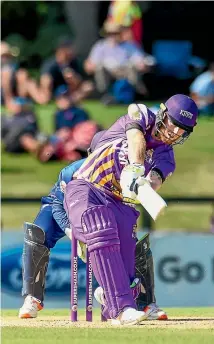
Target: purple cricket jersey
110	154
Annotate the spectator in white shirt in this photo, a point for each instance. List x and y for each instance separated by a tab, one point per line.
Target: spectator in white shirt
112	59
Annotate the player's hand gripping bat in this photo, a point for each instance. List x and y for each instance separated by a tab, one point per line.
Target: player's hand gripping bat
137	189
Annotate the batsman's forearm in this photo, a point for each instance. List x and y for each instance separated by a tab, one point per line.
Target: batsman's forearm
136	146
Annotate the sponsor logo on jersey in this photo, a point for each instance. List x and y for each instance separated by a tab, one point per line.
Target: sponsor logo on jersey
134	112
137	116
149	155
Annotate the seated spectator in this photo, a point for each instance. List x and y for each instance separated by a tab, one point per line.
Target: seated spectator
67	114
202	91
74	131
20	131
111	60
140	61
69	144
14	78
143	60
127	13
61	69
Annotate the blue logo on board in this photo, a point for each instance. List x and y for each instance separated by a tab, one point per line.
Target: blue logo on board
58	274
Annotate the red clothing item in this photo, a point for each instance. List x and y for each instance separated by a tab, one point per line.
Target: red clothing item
70	143
137	29
127	13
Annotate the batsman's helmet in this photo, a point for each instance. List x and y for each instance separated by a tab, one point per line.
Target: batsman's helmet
182	112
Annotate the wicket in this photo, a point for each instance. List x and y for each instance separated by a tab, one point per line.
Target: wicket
74	284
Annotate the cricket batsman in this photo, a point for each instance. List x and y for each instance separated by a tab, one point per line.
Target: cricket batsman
46	228
136	149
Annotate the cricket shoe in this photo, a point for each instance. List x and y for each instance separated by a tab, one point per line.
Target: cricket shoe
154	312
130	316
30	308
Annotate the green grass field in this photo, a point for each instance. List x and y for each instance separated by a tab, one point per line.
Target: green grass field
186	326
23	175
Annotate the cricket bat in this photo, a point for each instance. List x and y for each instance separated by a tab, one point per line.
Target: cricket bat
151	200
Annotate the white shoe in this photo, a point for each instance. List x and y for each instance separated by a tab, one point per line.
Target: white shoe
30	308
130	316
99	296
154	312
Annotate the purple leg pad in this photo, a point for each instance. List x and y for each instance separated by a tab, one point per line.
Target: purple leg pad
103	244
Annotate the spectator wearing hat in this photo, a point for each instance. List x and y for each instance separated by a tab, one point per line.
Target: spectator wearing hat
106	57
59	70
116	59
14	78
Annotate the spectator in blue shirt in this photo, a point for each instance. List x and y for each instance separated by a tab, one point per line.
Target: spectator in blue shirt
67	114
202	91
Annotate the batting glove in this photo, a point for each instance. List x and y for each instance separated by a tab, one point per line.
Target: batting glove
131	178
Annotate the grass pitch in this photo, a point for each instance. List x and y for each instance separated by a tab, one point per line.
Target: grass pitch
186	325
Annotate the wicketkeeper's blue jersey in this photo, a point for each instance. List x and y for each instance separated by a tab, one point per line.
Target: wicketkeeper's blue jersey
56	195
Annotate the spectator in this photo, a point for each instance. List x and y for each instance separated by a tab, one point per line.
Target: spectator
74	131
69	144
61	69
14	78
141	61
202	91
20	131
128	14
67	114
106	57
111	60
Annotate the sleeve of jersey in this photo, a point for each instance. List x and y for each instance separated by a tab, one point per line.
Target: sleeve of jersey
58	211
165	165
138	117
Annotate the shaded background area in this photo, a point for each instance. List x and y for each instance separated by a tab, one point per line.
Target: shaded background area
40	21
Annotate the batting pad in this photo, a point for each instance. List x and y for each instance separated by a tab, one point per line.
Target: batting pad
101	233
110	273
